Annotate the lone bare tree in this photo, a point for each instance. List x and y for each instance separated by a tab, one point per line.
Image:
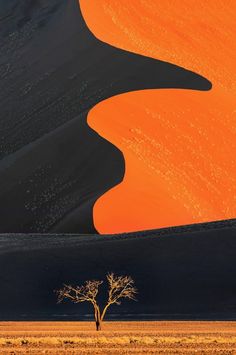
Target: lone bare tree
118	287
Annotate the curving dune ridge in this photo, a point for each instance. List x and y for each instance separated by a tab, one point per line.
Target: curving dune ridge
179	146
53	71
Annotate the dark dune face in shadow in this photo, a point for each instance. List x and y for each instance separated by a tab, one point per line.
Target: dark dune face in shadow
181	273
52	72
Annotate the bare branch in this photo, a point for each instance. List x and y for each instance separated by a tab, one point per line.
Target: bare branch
87	292
119	287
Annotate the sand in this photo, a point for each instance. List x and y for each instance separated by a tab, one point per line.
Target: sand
118	338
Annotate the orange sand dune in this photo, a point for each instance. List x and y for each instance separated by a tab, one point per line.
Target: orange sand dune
179	146
180	159
197	35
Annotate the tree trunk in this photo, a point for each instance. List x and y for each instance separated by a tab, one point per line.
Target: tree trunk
98	325
98	319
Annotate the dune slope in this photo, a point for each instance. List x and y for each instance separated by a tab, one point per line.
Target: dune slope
178	145
181	273
53	71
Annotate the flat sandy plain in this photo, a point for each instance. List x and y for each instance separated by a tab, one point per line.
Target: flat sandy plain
160	337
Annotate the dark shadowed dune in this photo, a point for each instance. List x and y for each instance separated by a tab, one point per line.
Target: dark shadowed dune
181	273
52	72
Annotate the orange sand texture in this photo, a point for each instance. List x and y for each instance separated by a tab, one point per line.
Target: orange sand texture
179	145
118	338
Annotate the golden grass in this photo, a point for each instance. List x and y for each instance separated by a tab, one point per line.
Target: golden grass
123	340
118	338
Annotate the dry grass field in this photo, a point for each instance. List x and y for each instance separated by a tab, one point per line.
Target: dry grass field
118	338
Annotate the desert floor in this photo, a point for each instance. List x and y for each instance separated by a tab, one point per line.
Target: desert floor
160	337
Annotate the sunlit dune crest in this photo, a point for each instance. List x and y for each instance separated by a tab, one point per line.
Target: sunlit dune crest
178	170
197	35
179	146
